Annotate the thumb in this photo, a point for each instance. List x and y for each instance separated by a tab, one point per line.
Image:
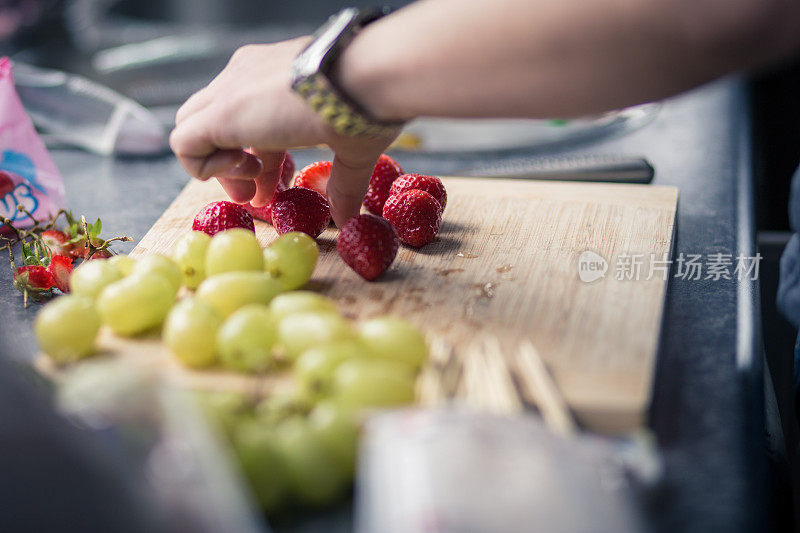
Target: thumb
348	185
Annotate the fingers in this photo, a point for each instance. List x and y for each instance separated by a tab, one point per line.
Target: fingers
218	163
239	191
197	144
238	182
347	186
195	103
267	178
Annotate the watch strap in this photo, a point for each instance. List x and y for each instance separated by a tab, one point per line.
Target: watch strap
344	115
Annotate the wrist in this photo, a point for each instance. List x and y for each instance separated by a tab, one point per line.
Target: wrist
366	72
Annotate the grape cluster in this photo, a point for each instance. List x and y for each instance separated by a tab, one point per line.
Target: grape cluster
223	302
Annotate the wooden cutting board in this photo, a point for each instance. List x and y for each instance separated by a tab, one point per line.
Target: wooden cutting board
505	265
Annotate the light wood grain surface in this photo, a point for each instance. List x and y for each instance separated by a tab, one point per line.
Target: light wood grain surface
504	267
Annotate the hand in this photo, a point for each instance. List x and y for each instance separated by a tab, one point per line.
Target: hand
238	128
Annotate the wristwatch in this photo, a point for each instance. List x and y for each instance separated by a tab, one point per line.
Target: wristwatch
312	80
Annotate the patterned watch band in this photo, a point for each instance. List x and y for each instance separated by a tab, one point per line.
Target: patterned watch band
338	111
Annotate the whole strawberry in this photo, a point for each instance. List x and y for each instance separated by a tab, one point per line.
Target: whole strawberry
380	184
60	268
429	184
219	216
300	209
315	177
415	215
284	182
368	244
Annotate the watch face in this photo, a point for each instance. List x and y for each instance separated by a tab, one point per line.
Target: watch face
313	58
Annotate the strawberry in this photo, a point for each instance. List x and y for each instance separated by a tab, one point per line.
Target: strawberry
429	184
222	215
368	244
6	184
287	173
60	268
315	177
287	170
57	241
33	278
415	215
300	209
80	250
262	213
386	171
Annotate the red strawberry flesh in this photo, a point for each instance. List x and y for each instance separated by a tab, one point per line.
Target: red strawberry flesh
57	241
315	177
33	277
221	216
368	244
60	268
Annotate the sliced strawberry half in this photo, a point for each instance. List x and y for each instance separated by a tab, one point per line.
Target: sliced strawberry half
33	278
57	241
61	269
315	177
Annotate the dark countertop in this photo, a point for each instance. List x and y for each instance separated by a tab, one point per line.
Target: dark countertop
706	408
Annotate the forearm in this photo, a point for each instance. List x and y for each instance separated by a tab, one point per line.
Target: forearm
553	57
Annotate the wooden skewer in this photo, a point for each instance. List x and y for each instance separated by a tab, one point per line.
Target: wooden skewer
502	393
431	385
538	383
470	386
482	377
536	379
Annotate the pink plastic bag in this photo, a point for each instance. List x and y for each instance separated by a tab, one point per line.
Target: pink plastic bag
28	176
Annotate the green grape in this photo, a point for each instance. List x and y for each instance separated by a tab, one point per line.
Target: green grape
123	262
291	258
315	366
314	476
189	252
223	409
229	291
370	382
281	405
260	456
301	331
66	328
299	302
336	427
136	304
396	339
91	277
162	265
246	339
190	332
233	250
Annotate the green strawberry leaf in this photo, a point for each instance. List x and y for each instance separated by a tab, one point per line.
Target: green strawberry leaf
96	228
